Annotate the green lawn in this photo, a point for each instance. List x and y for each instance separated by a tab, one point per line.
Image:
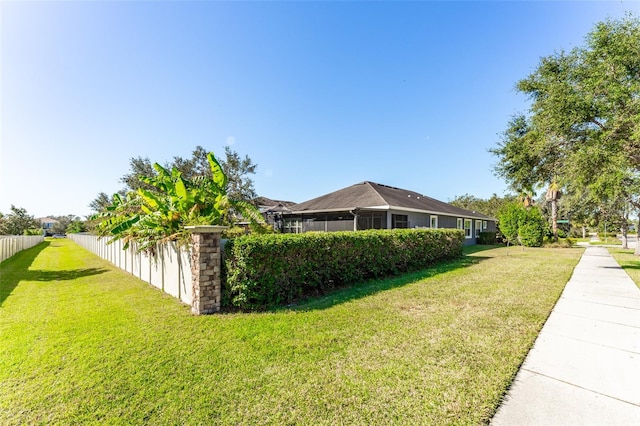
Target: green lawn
629	262
606	241
84	343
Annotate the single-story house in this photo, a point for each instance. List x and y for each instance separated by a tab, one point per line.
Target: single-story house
370	205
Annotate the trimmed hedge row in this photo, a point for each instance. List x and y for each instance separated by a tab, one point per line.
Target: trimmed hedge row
487	238
268	270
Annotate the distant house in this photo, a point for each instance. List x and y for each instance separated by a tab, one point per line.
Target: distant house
47	225
370	205
272	210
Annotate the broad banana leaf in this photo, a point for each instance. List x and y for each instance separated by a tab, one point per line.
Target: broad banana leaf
149	198
219	177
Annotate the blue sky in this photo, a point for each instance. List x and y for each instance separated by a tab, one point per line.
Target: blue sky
321	95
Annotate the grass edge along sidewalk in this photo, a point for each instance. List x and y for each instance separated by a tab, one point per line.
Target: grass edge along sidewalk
627	261
82	342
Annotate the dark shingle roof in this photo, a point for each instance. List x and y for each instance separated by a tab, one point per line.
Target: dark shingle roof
367	195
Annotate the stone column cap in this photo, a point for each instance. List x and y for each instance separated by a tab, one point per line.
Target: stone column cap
206	229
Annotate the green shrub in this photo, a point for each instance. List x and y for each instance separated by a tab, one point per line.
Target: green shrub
575	232
533	228
510	217
487	238
561	243
268	270
234	232
522	225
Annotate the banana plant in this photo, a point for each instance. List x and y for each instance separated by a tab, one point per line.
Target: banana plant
149	217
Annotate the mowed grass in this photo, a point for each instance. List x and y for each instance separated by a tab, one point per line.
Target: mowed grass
628	261
84	343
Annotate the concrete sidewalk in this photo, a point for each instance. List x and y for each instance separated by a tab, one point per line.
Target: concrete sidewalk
584	368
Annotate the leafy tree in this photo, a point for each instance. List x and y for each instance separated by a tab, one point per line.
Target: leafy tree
18	222
584	122
235	167
63	223
509	218
151	217
533	228
77	226
102	201
522	225
489	206
530	160
138	166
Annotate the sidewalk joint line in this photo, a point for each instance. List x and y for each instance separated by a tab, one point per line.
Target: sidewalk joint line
597	320
602	304
592	343
582	387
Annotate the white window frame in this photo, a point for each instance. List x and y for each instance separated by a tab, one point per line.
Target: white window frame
433	221
478	228
468	234
484	225
459	223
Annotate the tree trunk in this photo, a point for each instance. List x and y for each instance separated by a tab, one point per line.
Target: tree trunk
584	231
554	218
623	231
637	250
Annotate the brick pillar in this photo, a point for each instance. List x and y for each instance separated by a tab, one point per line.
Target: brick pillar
206	261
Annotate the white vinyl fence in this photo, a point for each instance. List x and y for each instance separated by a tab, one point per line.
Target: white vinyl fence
169	269
12	244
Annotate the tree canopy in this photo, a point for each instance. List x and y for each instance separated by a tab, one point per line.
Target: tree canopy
18	222
582	131
152	216
237	169
490	206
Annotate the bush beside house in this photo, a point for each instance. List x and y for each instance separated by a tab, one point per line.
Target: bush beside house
269	270
487	238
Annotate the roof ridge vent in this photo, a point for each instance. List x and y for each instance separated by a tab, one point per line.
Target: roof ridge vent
388	186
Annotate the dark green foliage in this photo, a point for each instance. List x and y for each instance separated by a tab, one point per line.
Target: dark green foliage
582	130
487	238
18	222
561	243
150	217
533	229
269	270
521	225
489	206
509	219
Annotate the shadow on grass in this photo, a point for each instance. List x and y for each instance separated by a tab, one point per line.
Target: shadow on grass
372	287
475	248
630	266
16	269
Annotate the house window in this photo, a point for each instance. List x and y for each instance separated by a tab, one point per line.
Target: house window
478	227
467	228
399	221
484	224
293	226
459	223
434	221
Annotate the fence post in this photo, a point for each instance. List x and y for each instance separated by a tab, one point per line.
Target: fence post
206	260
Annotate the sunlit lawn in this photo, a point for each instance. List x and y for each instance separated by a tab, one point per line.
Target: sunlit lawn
82	343
628	262
606	241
